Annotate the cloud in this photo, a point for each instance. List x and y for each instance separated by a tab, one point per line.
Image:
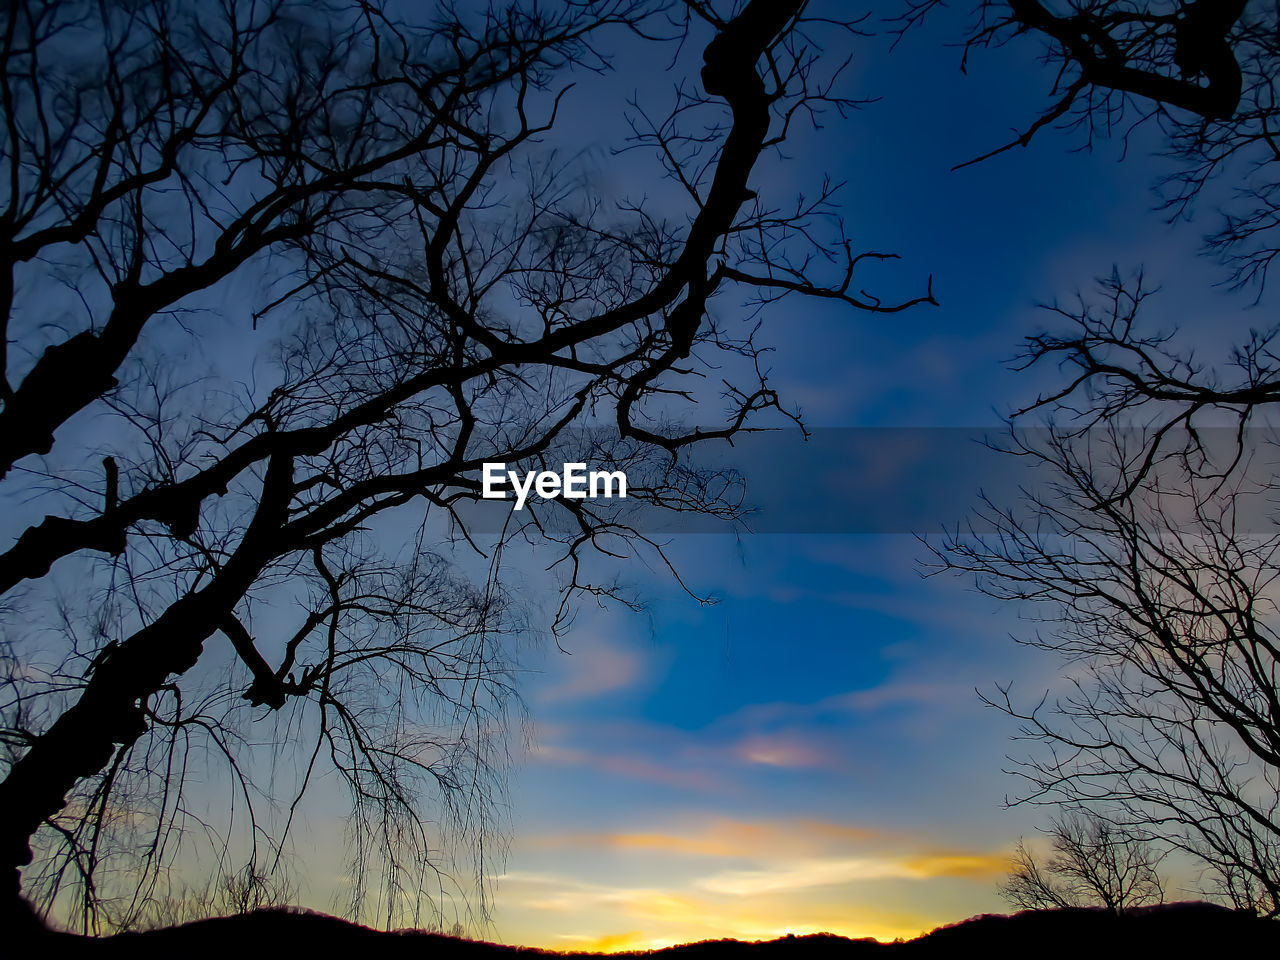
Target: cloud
724	755
895	693
790	845
713	758
787	733
554	893
785	750
799	876
959	864
632	765
774	858
669	843
597	668
721	837
820	872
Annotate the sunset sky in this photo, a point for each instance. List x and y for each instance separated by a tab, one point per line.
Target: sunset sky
791	737
810	752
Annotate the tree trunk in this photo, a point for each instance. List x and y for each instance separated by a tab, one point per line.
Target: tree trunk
109	713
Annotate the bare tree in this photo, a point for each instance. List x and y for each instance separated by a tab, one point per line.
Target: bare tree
1145	547
1093	864
1147	553
232	894
1031	887
277	279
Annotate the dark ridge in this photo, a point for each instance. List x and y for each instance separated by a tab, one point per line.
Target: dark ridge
1176	929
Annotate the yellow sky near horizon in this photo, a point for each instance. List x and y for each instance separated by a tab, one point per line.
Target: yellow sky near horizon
749	880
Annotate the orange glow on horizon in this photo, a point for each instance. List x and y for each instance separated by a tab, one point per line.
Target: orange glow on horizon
741	880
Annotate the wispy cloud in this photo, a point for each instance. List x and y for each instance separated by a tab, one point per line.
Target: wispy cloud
893	692
630	764
786	750
722	837
596	667
788	853
782	735
819	872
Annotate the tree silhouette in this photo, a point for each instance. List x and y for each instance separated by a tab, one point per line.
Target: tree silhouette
1146	550
1092	864
277	279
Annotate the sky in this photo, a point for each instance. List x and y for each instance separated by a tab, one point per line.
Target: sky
810	752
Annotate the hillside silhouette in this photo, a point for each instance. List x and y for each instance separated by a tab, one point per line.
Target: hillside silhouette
1181	929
